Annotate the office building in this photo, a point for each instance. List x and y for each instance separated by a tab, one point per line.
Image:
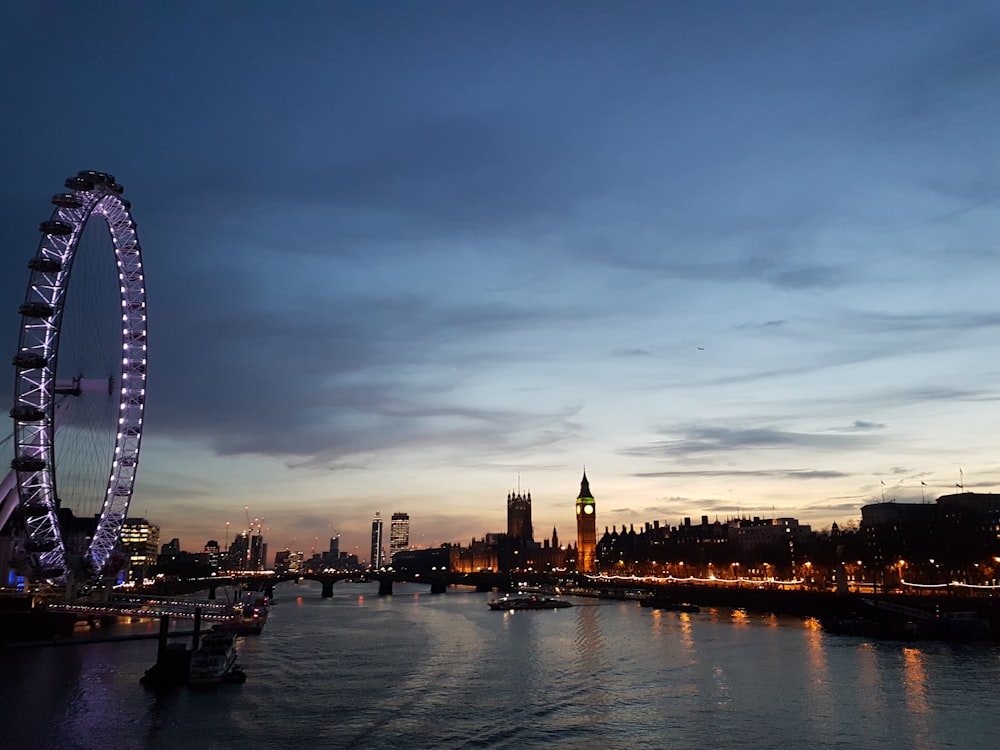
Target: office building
399	534
377	559
140	540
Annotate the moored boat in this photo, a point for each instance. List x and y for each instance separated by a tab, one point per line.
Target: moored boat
533	601
214	658
235	674
888	620
669	605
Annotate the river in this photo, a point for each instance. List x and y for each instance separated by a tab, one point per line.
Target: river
417	670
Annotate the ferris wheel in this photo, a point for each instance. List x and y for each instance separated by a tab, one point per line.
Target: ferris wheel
58	442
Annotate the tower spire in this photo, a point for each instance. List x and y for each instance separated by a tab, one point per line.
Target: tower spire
586	528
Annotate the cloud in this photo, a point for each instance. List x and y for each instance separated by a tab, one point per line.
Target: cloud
860	425
735	473
773	324
936	323
925	394
724	266
626	353
697	440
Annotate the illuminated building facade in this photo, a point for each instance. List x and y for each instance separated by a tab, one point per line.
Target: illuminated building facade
377	559
212	553
287	561
586	528
399	534
140	540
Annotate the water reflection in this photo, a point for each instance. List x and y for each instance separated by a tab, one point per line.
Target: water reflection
687	633
588	643
821	700
915	690
444	671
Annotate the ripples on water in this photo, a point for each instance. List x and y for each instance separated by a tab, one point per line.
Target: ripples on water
422	671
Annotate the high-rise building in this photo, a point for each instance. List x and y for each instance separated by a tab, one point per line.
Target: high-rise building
286	561
239	552
212	553
519	517
586	528
140	541
173	547
332	557
377	559
399	534
258	553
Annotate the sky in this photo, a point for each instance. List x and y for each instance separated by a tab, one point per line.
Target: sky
731	258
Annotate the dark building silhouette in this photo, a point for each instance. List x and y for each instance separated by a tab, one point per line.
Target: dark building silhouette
948	540
519	518
212	553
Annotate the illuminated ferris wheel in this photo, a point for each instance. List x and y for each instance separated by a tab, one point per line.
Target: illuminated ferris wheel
80	384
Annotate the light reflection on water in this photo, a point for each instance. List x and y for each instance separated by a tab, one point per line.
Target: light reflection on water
427	670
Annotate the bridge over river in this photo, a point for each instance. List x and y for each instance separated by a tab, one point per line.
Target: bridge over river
438	581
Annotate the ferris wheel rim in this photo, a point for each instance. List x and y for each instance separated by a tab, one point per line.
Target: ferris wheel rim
92	193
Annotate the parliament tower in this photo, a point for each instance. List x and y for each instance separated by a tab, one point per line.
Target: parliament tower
586	529
519	518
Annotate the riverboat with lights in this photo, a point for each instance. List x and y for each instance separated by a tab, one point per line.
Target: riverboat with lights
249	614
533	601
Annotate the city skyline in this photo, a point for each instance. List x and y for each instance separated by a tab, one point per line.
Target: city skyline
731	259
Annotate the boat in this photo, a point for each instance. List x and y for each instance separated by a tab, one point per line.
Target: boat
214	658
249	614
888	620
670	606
532	601
235	675
638	594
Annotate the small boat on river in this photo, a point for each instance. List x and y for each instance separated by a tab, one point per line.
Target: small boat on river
888	620
669	605
532	601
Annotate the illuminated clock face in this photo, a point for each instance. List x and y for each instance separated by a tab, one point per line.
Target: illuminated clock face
578	507
588	509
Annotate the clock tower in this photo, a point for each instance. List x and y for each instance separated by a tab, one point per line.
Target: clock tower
586	529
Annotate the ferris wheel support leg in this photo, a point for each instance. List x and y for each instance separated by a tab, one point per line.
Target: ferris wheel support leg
8	497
